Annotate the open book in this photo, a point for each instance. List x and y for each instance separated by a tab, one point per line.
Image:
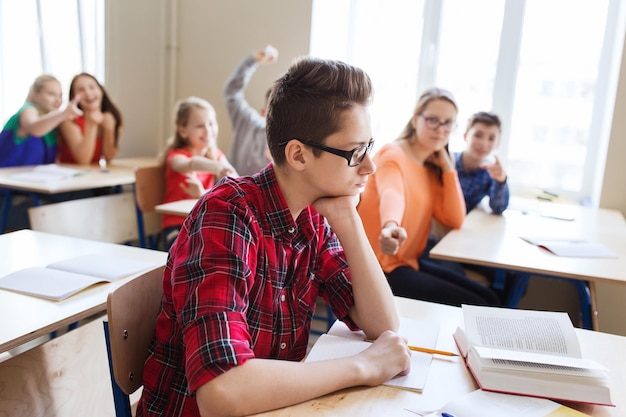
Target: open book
572	247
59	280
533	353
47	173
340	342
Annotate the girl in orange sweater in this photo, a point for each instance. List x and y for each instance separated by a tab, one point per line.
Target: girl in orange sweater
415	181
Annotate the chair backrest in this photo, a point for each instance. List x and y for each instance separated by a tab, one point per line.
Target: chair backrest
108	218
149	191
132	310
149	187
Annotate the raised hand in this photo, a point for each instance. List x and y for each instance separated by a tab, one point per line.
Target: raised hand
266	55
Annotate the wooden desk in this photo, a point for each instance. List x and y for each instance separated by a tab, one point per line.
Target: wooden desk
92	177
449	378
25	318
177	208
492	240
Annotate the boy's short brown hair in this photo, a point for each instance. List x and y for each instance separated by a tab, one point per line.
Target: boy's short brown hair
484	117
308	100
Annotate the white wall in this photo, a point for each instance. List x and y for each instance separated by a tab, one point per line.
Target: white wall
612	297
161	50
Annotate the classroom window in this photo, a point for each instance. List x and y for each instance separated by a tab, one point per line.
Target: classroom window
548	67
60	37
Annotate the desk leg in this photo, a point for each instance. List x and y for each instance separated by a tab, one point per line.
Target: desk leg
36	200
594	305
517	289
499	280
6	206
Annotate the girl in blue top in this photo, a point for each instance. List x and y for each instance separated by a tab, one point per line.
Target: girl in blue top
30	137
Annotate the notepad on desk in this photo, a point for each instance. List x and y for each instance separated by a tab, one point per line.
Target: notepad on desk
340	342
571	247
59	280
534	353
47	173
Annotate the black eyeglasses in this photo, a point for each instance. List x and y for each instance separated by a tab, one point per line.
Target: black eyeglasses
354	157
434	123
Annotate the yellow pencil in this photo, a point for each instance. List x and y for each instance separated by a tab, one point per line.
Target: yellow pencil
426	350
433	351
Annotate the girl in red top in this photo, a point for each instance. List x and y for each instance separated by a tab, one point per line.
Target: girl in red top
94	135
192	160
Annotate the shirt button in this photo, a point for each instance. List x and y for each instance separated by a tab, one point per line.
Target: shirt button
283	345
291	229
282	298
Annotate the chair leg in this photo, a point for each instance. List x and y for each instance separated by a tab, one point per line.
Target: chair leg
120	399
517	289
140	226
584	296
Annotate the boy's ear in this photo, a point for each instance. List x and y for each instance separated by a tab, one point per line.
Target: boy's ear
295	155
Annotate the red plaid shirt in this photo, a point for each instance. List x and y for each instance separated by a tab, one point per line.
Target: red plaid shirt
241	282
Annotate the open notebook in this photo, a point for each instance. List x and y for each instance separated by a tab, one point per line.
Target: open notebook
48	173
340	342
60	280
572	247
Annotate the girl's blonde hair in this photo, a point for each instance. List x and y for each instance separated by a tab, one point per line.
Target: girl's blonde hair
38	85
182	111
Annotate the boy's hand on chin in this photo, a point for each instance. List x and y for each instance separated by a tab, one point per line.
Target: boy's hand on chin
335	208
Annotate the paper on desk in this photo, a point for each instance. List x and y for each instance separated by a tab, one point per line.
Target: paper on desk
572	247
340	342
47	173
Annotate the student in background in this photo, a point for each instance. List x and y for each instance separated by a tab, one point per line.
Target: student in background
30	138
192	160
480	175
248	148
30	135
242	279
414	183
94	135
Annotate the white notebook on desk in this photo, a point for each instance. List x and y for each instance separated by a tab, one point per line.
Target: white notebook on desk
340	342
47	173
60	280
572	247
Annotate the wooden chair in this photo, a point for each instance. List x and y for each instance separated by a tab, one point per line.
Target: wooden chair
107	218
132	310
149	191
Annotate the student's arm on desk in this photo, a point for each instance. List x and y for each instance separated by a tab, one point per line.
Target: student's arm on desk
265	384
374	309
